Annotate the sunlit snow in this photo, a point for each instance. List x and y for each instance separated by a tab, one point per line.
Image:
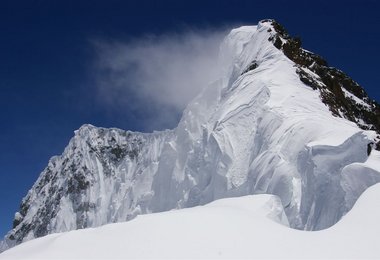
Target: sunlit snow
260	131
246	227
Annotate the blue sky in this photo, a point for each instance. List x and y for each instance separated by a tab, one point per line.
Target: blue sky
48	66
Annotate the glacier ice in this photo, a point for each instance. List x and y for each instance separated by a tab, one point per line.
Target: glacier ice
257	129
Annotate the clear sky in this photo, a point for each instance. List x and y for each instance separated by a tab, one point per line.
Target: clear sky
49	54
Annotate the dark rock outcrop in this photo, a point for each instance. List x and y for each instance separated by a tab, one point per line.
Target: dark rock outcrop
344	97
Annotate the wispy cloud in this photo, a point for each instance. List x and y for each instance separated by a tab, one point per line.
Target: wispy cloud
156	75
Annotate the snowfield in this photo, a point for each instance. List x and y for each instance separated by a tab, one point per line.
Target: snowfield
252	226
256	130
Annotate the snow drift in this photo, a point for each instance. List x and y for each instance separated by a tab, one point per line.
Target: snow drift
232	228
276	122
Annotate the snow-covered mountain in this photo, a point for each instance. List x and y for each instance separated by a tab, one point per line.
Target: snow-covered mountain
278	121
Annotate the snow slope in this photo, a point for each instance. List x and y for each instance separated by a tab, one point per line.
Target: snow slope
258	129
228	228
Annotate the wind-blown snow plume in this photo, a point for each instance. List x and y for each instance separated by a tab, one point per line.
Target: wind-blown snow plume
277	121
165	71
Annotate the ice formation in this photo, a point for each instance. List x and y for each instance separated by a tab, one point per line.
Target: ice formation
270	124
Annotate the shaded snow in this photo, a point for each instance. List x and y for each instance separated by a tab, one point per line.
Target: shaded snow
250	132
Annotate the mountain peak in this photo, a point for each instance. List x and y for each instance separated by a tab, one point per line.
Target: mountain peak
344	97
278	121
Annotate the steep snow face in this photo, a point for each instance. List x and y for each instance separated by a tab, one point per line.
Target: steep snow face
258	129
103	176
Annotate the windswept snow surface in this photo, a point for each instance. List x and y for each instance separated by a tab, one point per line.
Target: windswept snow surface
256	130
234	228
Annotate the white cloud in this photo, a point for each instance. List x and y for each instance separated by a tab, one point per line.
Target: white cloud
157	74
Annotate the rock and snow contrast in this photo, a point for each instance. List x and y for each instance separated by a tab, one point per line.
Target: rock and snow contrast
278	121
232	228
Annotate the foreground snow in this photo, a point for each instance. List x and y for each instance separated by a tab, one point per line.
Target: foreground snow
258	129
228	228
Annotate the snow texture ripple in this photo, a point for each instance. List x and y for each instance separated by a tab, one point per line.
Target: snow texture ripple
258	129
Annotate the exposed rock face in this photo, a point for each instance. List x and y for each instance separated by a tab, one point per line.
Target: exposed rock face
275	122
79	188
345	97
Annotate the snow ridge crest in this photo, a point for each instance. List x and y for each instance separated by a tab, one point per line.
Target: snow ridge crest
267	125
